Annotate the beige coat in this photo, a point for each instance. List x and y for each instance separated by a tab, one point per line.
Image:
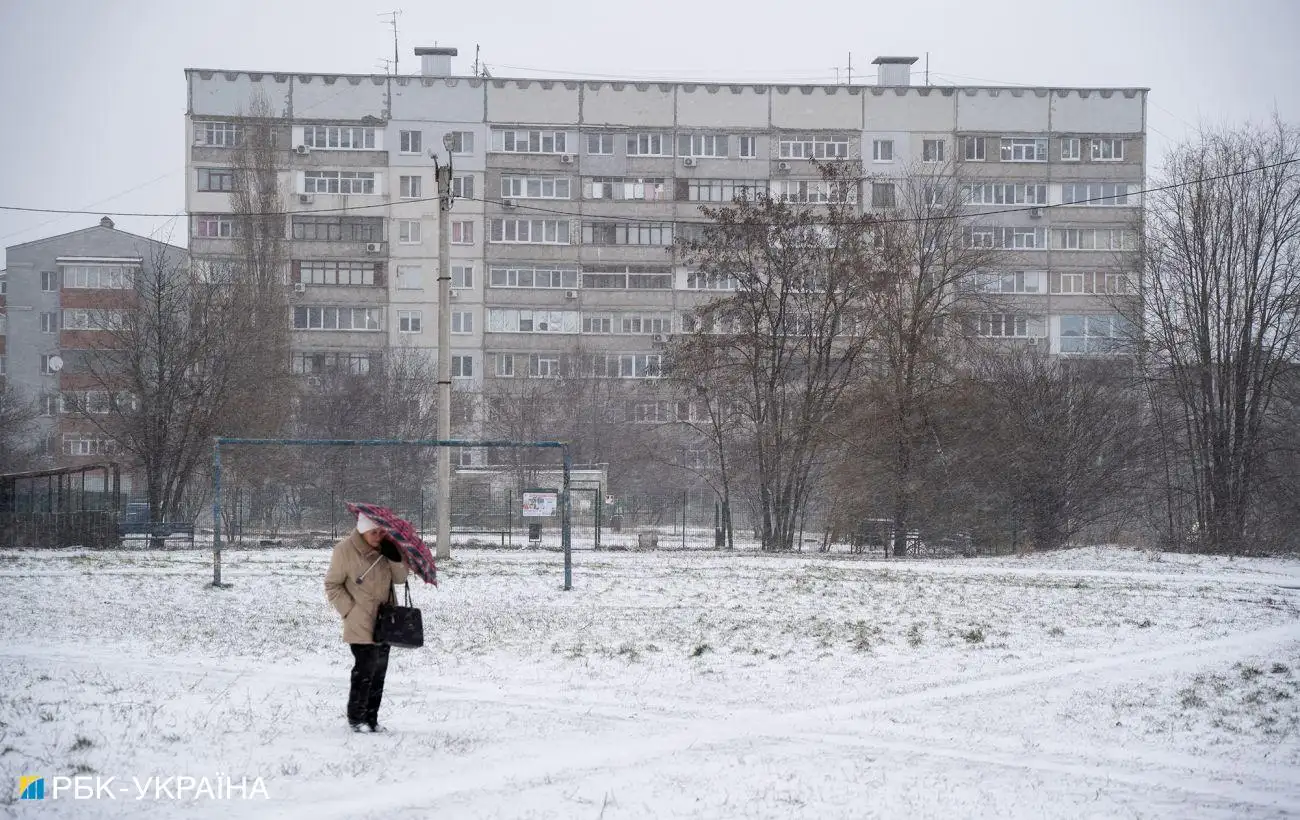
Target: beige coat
358	603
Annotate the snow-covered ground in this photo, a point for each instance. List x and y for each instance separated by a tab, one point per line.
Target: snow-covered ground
1088	683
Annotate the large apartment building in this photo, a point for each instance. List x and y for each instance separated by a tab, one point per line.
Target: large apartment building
570	193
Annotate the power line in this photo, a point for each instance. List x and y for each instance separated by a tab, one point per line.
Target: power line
540	209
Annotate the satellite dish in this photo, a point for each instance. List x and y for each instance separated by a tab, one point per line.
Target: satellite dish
56	363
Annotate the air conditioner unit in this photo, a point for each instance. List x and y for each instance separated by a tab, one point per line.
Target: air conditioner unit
570	294
690	162
302	150
299	287
306	199
1035	213
454	294
1032	341
566	158
374	247
509	203
783	166
659	337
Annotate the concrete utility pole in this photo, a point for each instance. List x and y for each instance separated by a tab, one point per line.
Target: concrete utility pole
442	174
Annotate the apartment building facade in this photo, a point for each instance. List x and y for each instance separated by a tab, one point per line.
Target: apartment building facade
570	194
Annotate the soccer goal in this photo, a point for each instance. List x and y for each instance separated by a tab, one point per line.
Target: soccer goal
319	475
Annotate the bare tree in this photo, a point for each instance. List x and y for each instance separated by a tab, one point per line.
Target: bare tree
787	343
17	413
1222	316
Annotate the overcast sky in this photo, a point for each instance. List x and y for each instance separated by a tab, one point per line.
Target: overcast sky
93	94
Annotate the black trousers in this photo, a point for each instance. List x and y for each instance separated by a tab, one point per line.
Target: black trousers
368	670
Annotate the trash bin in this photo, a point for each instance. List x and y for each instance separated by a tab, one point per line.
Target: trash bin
647	540
534	533
616	522
719	538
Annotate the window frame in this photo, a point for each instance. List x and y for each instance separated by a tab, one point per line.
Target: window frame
410	141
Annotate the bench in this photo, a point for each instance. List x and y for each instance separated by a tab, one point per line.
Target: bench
163	529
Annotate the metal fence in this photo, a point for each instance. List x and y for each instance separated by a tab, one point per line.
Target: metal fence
67	507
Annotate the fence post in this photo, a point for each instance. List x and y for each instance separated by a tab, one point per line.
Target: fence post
216	513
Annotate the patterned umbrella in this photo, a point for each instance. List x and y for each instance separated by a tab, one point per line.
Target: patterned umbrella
418	557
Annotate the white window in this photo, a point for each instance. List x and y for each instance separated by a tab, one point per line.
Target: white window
649	189
1107	150
814	147
462	276
462	321
505	365
336	318
597	323
534	187
1117	283
527	276
1022	238
1024	150
462	187
531	231
1003	325
1072	283
410	187
339	182
49	281
214	226
1005	194
92	319
462	232
530	142
409	321
1092	334
599	144
627	233
1010	281
46	369
932	150
408	231
1070	149
1095	193
216	179
1093	239
1092	282
882	150
652	144
49	323
356	363
4	364
82	444
102	276
702	145
882	195
410	277
747	147
724	190
709	281
462	367
980	237
338	137
972	149
462	142
218	134
410	142
543	365
330	272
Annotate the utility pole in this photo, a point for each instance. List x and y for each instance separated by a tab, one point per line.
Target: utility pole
442	173
850	68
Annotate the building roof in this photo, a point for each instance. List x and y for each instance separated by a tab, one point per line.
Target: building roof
105	225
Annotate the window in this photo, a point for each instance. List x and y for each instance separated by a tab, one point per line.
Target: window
1092	334
722	190
462	232
46	369
3	320
336	318
1117	283
709	281
355	363
882	150
543	365
104	276
1006	238
627	233
218	134
882	195
462	367
331	272
530	142
338	182
4	364
932	150
973	149
462	142
92	319
338	137
214	226
1093	239
814	147
534	187
409	142
525	320
1092	282
1094	193
1070	149
1005	194
637	323
462	276
49	281
1009	281
409	321
82	444
600	143
814	192
410	277
613	279
410	187
408	231
462	321
51	404
1024	150
216	179
649	145
650	189
462	187
531	231
1072	283
339	228
1108	150
1002	325
746	147
533	277
505	365
597	323
702	145
4	284
49	323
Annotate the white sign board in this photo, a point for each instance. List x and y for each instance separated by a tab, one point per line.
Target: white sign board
537	505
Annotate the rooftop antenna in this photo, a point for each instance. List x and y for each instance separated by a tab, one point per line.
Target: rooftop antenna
927	68
392	21
850	68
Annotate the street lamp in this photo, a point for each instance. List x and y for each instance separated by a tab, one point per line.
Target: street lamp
442	174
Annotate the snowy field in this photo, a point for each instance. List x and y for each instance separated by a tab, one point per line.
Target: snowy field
1087	683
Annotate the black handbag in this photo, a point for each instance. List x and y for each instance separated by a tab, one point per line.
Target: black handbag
400	626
